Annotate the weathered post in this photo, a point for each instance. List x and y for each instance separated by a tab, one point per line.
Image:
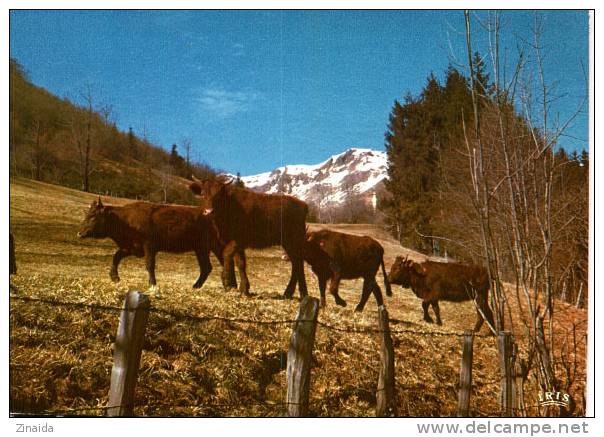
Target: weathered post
505	346
465	375
385	396
299	357
127	354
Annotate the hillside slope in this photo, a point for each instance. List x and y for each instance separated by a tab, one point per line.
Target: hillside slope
57	140
60	357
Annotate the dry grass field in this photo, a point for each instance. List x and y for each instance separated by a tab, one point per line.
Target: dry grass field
60	357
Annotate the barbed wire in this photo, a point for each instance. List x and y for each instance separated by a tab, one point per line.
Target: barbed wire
54	302
244	403
173	314
206	318
316	403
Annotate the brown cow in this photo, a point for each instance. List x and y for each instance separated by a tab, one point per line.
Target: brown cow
433	281
248	219
336	255
144	228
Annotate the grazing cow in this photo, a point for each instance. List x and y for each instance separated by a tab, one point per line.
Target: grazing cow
11	255
144	228
433	281
335	256
248	219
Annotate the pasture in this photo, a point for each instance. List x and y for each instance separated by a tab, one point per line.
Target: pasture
61	357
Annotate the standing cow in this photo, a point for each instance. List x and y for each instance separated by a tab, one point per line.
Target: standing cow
433	281
248	219
144	228
336	256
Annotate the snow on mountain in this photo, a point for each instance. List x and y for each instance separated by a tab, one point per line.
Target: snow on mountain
356	171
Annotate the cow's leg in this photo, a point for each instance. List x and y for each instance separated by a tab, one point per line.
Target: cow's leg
117	258
377	291
334	287
322	285
150	264
228	265
293	279
436	309
482	305
425	306
294	247
479	321
232	280
297	277
244	283
367	289
301	278
205	267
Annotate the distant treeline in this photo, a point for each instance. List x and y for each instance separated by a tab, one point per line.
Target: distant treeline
431	203
79	146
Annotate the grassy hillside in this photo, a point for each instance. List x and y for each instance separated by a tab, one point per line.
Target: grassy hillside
76	143
61	357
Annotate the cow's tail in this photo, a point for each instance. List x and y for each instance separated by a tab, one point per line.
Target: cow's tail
386	281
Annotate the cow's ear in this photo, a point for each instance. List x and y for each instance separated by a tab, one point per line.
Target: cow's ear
419	269
195	188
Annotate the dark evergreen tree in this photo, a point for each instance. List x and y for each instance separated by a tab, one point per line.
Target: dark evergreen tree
238	182
413	143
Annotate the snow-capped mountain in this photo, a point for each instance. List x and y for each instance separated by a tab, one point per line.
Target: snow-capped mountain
356	171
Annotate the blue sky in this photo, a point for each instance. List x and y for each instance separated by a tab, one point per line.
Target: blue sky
254	90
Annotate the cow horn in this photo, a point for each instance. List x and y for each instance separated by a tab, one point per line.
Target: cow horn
98	202
194	178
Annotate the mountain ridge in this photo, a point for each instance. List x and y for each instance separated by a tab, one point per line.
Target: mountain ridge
357	172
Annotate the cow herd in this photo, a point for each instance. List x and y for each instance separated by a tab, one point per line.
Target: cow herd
231	219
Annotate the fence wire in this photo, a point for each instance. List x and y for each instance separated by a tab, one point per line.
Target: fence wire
278	406
206	318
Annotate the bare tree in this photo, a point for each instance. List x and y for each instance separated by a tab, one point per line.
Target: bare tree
165	177
38	149
322	191
513	169
480	185
186	145
82	136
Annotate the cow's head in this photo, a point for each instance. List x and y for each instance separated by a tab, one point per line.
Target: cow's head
317	237
312	249
403	269
314	254
94	224
211	192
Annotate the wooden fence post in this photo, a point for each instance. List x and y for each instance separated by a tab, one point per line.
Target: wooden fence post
385	395
127	354
505	346
465	375
299	357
